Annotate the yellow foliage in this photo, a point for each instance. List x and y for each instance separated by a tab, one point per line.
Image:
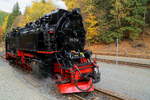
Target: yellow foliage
72	3
19	20
4	25
88	14
35	11
92	28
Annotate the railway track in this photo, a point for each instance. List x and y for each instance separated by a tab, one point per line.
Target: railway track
100	94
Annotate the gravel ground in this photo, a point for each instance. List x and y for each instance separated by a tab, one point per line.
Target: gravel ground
18	85
131	81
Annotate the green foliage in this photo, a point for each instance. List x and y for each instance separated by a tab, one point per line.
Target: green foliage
131	32
110	37
134	21
124	19
112	19
43	1
147	18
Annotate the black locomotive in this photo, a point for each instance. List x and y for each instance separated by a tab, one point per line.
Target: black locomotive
53	46
60	30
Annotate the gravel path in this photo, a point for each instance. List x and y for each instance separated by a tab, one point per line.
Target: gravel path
131	81
17	85
123	59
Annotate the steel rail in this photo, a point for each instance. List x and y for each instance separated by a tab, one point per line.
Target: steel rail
108	93
78	97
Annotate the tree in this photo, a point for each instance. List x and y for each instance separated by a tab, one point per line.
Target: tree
4	25
112	19
2	16
13	15
19	20
16	10
124	19
73	4
1	34
43	1
1	31
91	21
88	12
147	12
133	22
35	11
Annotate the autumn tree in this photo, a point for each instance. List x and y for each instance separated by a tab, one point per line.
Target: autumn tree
35	11
1	31
19	20
73	4
89	15
4	25
2	16
107	20
91	21
1	34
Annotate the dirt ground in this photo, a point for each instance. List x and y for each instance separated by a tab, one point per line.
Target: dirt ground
139	48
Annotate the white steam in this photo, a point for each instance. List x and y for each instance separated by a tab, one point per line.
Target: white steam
59	4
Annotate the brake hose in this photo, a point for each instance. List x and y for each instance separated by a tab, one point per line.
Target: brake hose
76	83
83	90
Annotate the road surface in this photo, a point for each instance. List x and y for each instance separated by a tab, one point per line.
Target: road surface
131	81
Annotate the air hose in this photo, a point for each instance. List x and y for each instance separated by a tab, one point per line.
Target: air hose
76	83
83	90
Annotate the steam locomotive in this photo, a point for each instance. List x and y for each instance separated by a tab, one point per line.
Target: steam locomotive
53	46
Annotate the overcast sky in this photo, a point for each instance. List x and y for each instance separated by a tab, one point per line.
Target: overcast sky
7	5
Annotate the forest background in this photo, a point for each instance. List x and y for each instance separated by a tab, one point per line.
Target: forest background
104	20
